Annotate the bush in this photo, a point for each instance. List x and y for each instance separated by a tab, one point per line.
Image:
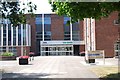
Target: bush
7	54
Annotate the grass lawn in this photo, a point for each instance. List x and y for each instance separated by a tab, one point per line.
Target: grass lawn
106	71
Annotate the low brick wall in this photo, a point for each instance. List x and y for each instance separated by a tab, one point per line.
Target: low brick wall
7	58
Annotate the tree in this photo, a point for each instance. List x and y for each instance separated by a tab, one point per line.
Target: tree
81	10
12	11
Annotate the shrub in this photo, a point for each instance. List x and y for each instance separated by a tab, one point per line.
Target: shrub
7	54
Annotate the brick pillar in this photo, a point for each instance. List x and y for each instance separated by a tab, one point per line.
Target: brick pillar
57	28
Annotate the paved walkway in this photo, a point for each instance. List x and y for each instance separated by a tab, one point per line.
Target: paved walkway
48	67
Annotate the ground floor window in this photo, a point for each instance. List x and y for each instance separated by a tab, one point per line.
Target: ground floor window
9	49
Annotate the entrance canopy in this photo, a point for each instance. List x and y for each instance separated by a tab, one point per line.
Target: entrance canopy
62	42
58	47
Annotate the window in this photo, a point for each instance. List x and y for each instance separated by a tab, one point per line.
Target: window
38	19
9	34
4	21
66	19
13	50
47	27
4	49
14	35
0	35
47	35
47	20
24	35
66	29
76	31
1	50
19	35
38	27
66	35
75	27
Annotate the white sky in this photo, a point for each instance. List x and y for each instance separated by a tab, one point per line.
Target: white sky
42	6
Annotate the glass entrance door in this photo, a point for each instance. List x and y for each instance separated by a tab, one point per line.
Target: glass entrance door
56	50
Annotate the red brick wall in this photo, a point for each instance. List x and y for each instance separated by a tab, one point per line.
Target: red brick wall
33	35
24	48
81	30
57	28
82	48
106	34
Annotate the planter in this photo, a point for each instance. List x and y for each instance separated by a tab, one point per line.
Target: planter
91	60
7	57
23	60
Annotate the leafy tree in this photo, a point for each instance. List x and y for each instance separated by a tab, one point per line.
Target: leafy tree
81	10
12	11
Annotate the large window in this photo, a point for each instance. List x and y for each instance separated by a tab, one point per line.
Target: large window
66	35
75	35
19	35
47	27
66	29
4	34
14	35
66	19
38	19
1	50
47	35
11	49
75	31
47	20
39	27
9	34
0	36
24	35
38	23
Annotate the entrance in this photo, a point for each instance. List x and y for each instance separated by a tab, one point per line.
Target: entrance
56	50
76	50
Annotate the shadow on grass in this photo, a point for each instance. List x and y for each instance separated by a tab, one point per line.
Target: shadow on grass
115	76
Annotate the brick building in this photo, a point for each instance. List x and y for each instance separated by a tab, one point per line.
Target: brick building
50	35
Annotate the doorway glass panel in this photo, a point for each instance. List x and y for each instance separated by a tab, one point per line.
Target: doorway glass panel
56	50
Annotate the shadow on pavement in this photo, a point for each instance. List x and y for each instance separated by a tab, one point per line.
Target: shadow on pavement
115	76
37	76
26	75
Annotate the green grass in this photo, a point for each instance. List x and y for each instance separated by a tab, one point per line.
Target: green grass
7	54
106	72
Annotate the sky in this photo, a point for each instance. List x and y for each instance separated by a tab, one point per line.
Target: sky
42	6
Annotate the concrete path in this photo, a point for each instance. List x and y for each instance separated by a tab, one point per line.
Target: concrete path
48	67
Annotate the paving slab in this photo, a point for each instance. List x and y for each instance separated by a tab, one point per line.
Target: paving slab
48	67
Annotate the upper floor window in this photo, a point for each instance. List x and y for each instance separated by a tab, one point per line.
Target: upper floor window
38	19
47	20
4	21
66	19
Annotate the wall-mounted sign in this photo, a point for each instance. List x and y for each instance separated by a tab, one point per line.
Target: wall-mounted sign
67	42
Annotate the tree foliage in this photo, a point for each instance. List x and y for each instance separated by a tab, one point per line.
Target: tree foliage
81	10
12	11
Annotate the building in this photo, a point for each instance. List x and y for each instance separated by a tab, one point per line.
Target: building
48	35
53	37
15	39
